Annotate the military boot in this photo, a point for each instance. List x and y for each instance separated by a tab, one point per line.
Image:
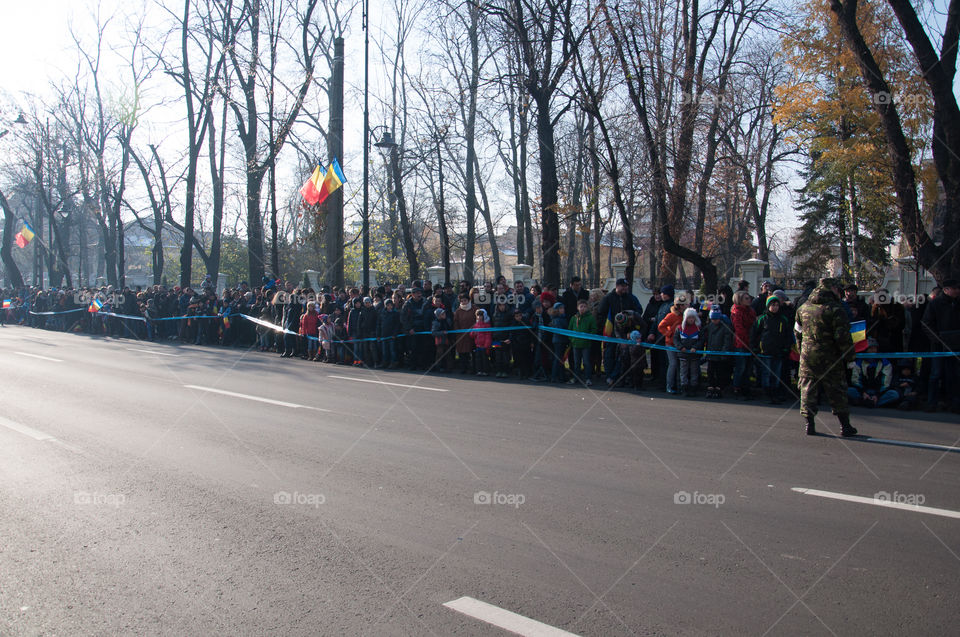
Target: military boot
846	429
811	426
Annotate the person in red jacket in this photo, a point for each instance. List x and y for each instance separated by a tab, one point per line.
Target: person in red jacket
310	327
483	341
743	318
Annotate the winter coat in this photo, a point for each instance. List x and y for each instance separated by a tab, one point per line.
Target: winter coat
353	323
562	323
687	337
309	324
613	304
483	340
773	335
388	323
412	317
743	318
585	324
439	329
669	324
941	323
464	320
872	375
368	322
823	334
717	338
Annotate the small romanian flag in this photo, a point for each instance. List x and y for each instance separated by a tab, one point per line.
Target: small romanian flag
95	306
25	236
858	330
608	326
6	304
331	181
226	322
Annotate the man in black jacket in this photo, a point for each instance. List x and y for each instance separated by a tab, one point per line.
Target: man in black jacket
616	302
573	295
941	321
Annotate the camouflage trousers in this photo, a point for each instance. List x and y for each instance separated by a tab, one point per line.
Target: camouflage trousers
833	384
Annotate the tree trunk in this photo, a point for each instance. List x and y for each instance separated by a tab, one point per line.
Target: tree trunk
550	221
13	275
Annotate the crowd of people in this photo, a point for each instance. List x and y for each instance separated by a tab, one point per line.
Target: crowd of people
729	343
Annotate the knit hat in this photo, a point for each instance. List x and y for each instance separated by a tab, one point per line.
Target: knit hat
773	298
559	306
691	313
439	312
780	294
367	299
486	316
634	335
667	289
716	313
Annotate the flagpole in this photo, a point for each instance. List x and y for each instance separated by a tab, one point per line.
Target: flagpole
365	228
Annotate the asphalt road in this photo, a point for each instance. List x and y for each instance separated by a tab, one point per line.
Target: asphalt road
136	500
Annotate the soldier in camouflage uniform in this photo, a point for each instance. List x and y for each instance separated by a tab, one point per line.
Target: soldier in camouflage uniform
823	333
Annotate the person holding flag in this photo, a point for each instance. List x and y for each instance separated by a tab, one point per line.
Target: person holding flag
620	301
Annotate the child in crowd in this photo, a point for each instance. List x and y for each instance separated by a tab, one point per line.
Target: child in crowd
441	343
339	341
559	341
482	341
325	332
584	323
687	339
310	329
717	337
638	358
907	387
773	338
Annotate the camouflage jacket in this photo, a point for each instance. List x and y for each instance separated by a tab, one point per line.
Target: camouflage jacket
823	333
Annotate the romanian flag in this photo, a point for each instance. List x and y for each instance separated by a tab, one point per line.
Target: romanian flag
6	304
310	191
226	322
608	326
331	181
95	306
25	236
858	330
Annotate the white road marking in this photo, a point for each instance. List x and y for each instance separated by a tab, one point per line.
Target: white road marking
27	431
918	445
947	513
505	619
383	382
43	358
258	399
150	351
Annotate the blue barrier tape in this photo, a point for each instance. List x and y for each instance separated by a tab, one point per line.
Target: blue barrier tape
542	328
